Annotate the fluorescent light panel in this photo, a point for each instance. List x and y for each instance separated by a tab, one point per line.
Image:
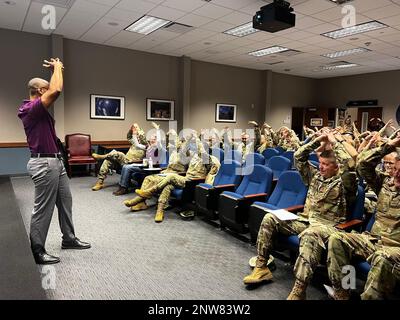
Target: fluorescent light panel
242	30
339	54
266	51
147	24
338	65
359	28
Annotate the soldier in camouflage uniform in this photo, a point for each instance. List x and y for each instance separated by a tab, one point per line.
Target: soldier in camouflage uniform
381	246
288	139
200	166
330	189
135	136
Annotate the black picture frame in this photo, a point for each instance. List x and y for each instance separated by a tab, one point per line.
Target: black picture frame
107	107
160	109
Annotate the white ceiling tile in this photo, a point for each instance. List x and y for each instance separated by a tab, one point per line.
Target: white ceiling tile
186	5
298	35
83	7
194	20
109	3
253	7
12	16
236	18
385	12
167	13
212	11
218	26
234	4
307	22
75	27
313	6
33	20
100	33
136	5
124	15
124	39
367	5
221	37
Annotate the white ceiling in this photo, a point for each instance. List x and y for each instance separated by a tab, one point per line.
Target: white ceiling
88	20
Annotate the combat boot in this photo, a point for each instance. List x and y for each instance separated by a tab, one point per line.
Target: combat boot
140	206
160	213
120	191
99	185
99	156
133	202
260	273
147	194
298	292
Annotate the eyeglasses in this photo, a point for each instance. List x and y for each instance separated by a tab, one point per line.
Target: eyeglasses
388	163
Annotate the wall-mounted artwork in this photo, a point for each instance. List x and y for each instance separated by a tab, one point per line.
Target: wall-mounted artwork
107	107
225	112
316	122
163	110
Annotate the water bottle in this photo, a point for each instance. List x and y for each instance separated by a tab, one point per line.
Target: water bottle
150	163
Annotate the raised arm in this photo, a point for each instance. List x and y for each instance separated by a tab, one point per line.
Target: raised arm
56	82
301	159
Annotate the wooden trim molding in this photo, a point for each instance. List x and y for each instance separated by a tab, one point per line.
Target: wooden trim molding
99	142
13	145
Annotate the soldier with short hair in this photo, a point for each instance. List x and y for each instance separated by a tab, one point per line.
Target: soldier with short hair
136	152
330	190
381	246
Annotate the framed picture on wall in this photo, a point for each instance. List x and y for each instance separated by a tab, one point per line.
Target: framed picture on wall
316	122
225	112
107	107
160	110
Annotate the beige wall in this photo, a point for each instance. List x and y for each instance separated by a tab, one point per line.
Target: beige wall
21	59
287	92
97	69
215	83
384	86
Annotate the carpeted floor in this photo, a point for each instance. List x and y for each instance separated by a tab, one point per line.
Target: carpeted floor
132	257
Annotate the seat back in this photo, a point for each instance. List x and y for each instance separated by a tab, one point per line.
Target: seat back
313	157
290	156
232	155
228	173
218	153
279	164
259	181
163	158
357	208
289	191
314	164
254	158
78	144
269	153
280	149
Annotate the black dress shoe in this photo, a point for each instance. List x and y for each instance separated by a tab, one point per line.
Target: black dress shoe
44	258
75	244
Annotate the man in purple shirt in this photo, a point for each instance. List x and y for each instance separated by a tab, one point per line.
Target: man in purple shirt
46	167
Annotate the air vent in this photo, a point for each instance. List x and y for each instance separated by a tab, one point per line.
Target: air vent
289	53
57	3
178	28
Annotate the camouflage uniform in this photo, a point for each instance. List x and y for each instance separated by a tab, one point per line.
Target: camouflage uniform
381	247
325	207
115	158
269	143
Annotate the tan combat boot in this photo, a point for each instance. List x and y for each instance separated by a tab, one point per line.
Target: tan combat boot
298	292
160	213
140	206
260	273
99	156
134	201
99	185
147	194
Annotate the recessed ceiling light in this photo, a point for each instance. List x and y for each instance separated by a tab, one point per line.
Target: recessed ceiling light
336	65
266	51
147	24
343	53
359	28
242	30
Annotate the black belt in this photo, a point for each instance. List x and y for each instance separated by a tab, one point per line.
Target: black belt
46	155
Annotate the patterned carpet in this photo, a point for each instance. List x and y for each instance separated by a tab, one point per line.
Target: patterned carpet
134	258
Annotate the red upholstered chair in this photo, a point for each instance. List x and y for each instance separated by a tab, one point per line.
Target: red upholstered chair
79	148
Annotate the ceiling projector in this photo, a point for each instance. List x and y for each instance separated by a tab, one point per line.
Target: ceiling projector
274	17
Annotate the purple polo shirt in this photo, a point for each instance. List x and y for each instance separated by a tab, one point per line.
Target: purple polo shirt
39	127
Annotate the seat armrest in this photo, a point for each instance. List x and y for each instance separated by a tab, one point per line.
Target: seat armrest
224	187
349	225
294	209
193	182
256	195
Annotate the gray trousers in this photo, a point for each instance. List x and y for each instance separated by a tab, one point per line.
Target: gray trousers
51	188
